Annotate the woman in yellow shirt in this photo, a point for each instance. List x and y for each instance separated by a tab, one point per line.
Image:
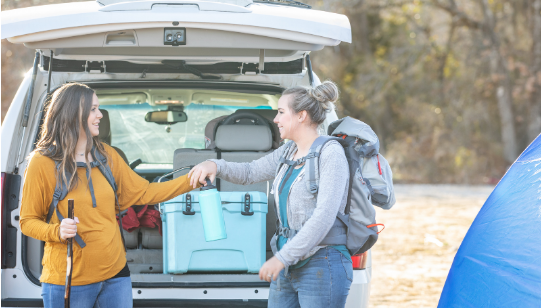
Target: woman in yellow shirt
69	136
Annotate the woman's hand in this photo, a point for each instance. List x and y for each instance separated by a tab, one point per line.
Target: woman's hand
68	228
271	269
202	171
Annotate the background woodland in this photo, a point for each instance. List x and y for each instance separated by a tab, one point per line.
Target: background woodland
451	87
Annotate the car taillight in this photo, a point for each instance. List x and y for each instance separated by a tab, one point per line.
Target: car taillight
10	189
359	261
2	198
3	175
2	204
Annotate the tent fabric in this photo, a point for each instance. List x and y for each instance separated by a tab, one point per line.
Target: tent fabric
499	261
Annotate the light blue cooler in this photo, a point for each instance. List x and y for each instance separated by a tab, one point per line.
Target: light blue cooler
184	245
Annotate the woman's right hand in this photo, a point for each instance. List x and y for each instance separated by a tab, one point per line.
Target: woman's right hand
68	228
202	171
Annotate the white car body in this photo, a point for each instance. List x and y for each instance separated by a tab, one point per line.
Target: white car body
93	34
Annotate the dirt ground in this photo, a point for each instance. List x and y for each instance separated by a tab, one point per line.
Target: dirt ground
424	229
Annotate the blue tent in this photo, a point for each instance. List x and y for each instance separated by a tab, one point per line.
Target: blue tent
499	261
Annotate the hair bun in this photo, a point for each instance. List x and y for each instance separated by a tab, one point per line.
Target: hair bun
316	101
325	92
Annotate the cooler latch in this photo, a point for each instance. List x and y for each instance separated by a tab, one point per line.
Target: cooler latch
246	207
188	210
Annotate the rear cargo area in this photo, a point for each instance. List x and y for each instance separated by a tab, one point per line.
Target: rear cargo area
155	149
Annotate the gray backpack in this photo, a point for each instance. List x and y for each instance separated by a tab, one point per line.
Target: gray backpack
370	183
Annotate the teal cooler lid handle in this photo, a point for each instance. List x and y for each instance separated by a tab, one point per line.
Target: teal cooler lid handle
188	210
246	206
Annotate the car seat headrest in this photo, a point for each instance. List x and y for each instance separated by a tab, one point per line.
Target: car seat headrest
105	127
243	138
268	114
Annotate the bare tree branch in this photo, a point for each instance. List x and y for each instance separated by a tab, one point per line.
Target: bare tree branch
534	123
445	56
459	18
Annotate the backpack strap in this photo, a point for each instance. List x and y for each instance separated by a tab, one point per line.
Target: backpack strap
279	228
313	161
337	235
105	169
283	158
101	162
60	192
292	164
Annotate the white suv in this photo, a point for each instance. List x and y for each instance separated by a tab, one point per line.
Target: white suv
206	58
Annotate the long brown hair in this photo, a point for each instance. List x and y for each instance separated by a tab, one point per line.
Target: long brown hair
65	114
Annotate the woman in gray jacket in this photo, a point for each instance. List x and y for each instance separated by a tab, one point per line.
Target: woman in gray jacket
303	272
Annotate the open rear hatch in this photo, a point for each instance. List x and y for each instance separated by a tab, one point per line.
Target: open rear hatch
215	37
196	31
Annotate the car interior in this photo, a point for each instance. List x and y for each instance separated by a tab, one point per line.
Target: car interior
154	148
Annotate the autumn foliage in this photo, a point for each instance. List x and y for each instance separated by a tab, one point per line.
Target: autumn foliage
452	88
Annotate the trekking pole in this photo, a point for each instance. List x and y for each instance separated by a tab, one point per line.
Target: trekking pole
69	272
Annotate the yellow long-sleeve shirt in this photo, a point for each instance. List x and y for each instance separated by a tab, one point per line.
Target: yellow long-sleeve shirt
104	255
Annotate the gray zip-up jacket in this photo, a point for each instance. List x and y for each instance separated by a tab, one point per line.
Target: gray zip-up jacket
313	216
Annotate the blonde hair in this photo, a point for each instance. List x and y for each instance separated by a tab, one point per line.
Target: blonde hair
317	101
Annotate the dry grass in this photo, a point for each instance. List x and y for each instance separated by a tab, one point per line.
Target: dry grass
409	266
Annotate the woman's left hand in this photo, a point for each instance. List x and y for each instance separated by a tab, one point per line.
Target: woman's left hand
271	269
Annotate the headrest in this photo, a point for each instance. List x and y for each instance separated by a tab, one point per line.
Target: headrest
268	114
209	132
105	127
243	138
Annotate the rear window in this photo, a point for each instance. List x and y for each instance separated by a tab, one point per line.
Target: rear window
154	143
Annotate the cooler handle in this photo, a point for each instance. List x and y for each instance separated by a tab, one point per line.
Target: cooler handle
168	174
246	206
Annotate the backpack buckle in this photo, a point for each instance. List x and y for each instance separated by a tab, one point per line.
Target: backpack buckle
57	194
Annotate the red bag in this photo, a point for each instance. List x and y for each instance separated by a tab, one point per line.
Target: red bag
145	217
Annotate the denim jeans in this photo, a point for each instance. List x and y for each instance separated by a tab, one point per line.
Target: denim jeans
111	293
323	282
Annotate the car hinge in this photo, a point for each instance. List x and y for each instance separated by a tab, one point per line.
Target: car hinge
50	75
261	60
87	70
310	73
27	105
241	67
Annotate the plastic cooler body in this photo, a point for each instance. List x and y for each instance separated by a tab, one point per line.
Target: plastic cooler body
185	248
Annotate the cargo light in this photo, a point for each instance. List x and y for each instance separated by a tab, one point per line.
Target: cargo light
359	261
174	36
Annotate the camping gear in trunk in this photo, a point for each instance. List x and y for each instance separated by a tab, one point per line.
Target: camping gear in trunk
185	248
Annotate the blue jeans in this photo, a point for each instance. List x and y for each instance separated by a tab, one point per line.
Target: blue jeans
323	282
111	293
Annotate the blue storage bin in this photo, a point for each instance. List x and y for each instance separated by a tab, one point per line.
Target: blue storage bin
184	245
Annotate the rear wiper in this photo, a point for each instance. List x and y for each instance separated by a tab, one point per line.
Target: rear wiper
181	64
285	2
